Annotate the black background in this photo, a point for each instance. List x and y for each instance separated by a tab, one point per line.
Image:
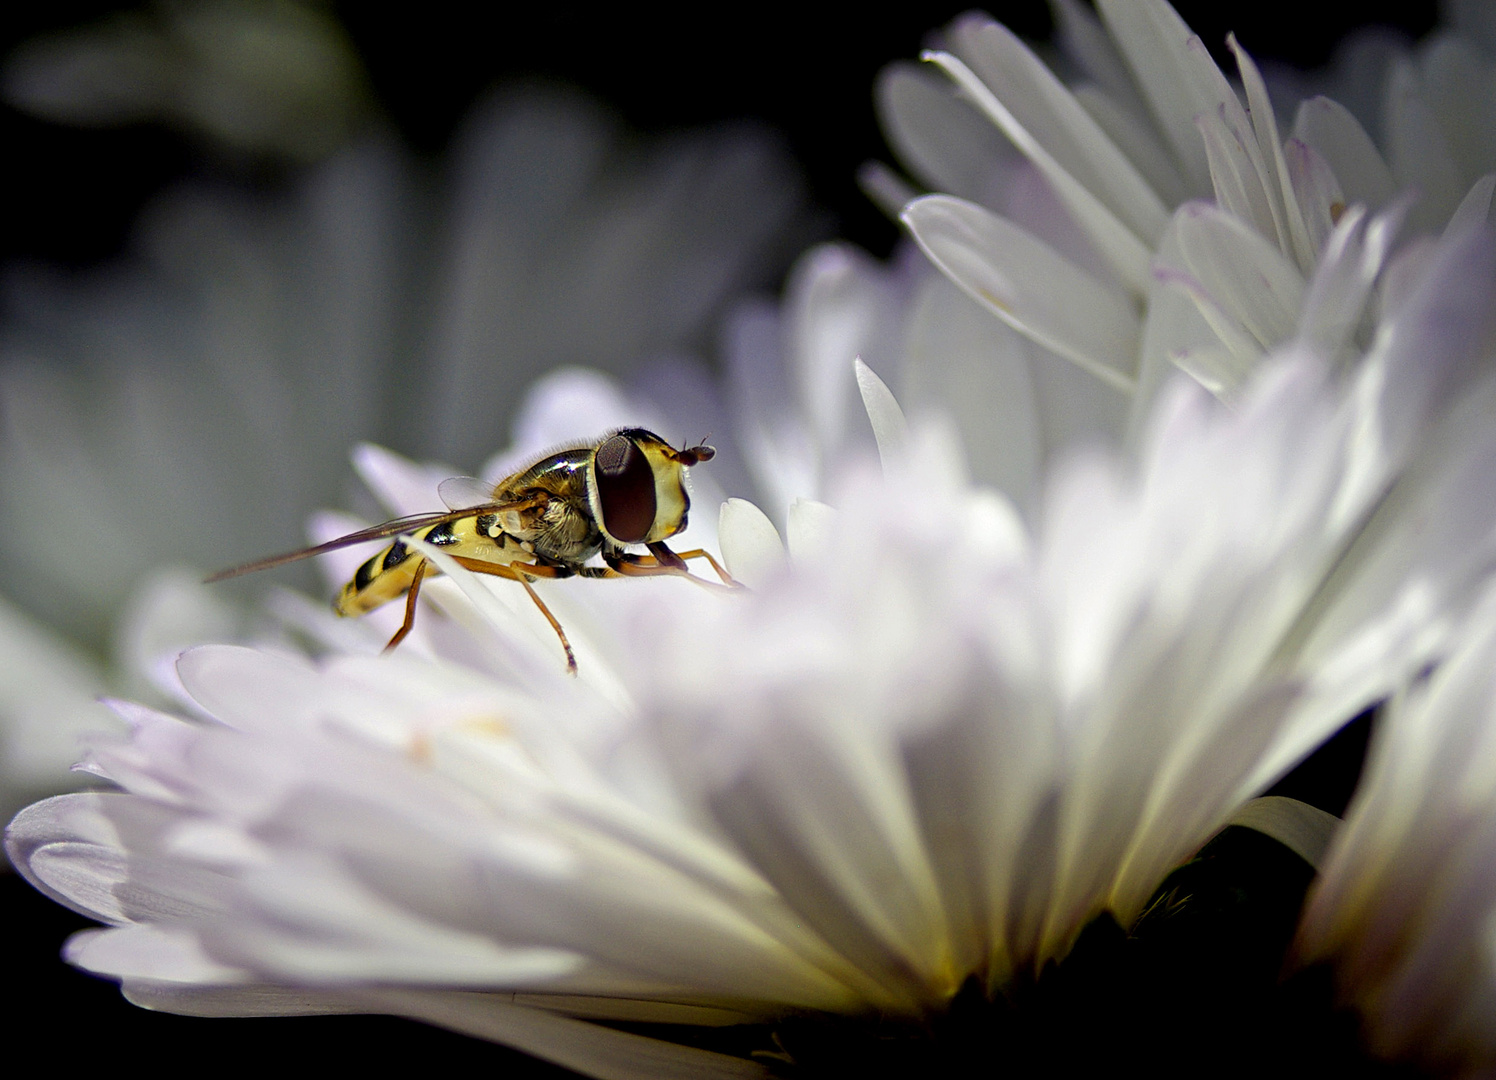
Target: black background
805	70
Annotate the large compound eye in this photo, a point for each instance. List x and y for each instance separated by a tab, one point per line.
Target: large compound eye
625	489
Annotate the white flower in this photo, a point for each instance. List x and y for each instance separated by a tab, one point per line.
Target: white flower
931	747
254	76
195	402
1130	279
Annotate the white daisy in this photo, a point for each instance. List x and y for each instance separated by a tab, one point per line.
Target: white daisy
930	748
1131	279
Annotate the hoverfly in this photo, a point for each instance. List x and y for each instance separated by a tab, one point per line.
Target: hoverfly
544	521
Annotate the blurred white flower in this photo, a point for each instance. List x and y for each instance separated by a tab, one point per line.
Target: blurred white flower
194	403
275	77
1122	274
931	746
1405	909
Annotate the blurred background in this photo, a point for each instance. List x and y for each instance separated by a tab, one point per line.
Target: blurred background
334	160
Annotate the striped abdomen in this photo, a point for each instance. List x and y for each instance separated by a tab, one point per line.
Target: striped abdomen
387	576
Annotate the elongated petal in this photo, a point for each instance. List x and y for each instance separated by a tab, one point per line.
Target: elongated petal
1028	286
1125	252
979	372
1136	137
1330	129
889	426
941	139
1086	41
751	546
1246	275
1293	234
590	1049
1316	189
1475	208
1050	115
1177	77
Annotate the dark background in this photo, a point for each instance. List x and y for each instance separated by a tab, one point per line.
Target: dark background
804	70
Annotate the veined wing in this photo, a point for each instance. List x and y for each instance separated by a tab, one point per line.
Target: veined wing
465	492
398	527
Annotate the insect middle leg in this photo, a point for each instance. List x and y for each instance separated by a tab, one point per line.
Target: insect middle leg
513	573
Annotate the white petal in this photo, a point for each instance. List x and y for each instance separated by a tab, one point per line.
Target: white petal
809	529
1125	252
841	305
1234	177
889	191
1450	308
1475	207
1457	83
148	952
1136	137
1303	829
1244	274
1028	286
751	547
248	689
1337	300
961	362
403	486
1175	72
313	923
940	138
1051	117
1316	189
188	1000
590	1049
169	611
1175	330
778	450
85	861
889	426
1087	42
1329	128
1293	234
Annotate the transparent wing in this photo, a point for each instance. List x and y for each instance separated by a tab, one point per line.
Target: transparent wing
398	527
465	492
378	532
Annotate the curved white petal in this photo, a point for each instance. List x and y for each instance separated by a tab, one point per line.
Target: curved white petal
1030	287
1124	251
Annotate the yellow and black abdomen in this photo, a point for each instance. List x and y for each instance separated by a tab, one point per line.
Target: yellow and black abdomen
387	576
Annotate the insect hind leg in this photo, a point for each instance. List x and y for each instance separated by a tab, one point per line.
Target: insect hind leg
410	607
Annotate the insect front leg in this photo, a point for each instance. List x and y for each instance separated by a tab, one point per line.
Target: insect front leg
664	562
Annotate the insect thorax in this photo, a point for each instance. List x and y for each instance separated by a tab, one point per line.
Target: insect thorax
560	528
